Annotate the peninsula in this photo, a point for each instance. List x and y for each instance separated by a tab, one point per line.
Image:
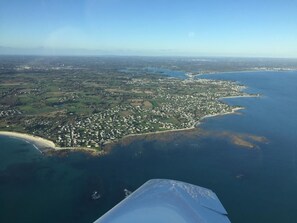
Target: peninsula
86	104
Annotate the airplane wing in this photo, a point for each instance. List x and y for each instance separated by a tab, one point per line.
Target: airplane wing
168	201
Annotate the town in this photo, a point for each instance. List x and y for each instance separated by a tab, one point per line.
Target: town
77	106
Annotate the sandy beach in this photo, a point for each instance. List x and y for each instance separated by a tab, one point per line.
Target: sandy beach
42	144
38	142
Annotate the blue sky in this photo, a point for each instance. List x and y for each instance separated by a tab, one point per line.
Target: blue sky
260	28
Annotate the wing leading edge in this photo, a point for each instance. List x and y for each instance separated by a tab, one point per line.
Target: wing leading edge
162	201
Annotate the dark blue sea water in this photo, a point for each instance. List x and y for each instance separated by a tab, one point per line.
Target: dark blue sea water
255	185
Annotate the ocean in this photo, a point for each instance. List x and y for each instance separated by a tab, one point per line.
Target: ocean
256	184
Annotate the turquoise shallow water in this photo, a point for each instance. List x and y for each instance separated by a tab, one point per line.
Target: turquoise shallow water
254	185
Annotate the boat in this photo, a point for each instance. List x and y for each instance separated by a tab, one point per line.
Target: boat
127	192
95	195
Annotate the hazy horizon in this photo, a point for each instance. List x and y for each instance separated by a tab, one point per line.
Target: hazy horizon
41	51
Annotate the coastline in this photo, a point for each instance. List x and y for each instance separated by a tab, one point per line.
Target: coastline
234	110
44	145
196	124
240	71
37	141
242	96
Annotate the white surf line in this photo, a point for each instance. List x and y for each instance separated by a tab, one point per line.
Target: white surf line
37	148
